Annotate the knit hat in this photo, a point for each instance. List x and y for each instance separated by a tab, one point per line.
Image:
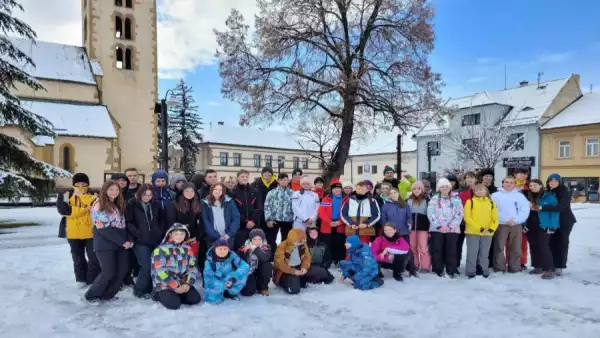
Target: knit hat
319	180
297	171
335	183
452	177
486	171
443	182
354	241
267	170
347	184
257	233
221	242
553	177
81	178
387	169
119	176
368	182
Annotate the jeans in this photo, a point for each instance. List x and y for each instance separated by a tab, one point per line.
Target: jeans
143	283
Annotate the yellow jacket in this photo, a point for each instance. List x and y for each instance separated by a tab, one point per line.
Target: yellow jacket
79	223
480	212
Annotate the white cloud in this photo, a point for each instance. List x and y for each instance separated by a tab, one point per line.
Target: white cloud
185	28
486	60
213	103
554	57
477	79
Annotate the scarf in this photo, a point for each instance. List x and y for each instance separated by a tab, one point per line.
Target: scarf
268	184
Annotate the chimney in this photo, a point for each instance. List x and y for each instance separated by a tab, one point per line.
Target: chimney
220	123
523	83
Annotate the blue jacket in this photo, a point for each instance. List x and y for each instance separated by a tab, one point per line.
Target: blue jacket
401	217
232	219
161	195
362	267
548	219
218	273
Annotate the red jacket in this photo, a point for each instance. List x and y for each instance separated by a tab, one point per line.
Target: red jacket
465	195
320	192
325	216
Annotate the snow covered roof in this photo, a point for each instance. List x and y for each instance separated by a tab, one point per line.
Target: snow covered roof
56	61
584	111
528	103
236	135
383	142
72	119
96	68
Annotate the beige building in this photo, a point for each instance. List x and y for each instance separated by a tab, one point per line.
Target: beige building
228	149
99	97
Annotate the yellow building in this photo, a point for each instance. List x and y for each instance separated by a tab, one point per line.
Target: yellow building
99	97
570	146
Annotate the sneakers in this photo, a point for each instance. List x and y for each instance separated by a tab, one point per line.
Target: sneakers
264	292
440	274
486	276
227	295
452	275
548	275
536	271
398	277
413	274
558	272
472	276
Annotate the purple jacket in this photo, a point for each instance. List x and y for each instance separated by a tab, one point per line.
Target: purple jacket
381	243
401	217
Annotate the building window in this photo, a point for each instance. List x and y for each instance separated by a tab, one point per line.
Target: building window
129	3
128	59
237	159
564	149
119	3
269	161
118	27
128	29
360	170
304	163
119	53
296	162
373	169
471	119
470	144
223	159
592	147
281	161
66	158
257	160
433	148
516	141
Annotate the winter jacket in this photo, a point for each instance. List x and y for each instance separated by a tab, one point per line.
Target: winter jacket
564	205
278	205
394	182
145	227
79	221
405	186
173	264
172	186
254	255
420	221
398	245
203	191
110	230
129	193
247	204
161	195
492	189
64	209
218	272
466	195
325	215
319	253
512	205
281	264
445	211
401	217
262	188
191	219
295	185
548	219
305	205
361	267
481	216
320	192
232	220
358	209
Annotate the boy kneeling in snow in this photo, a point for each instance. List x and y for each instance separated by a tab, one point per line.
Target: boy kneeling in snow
257	253
292	262
174	270
320	258
225	273
362	269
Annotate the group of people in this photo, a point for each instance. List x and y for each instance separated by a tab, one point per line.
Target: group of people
161	237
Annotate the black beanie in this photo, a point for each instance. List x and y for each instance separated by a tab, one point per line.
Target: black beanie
267	170
81	178
486	171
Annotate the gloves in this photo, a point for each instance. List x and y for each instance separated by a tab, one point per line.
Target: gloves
481	229
490	231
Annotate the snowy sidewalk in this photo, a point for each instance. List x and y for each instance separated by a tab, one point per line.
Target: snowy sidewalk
40	299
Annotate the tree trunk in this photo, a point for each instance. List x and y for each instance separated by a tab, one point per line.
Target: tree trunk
335	168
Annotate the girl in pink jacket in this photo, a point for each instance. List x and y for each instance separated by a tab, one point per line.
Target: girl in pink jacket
391	251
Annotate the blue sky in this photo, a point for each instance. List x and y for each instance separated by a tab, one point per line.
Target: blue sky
475	39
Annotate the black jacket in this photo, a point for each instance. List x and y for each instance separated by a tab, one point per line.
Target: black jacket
203	191
129	193
193	222
393	181
492	189
247	204
143	230
64	209
319	253
564	205
261	191
533	220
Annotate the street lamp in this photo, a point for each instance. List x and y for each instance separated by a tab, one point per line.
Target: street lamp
161	108
399	154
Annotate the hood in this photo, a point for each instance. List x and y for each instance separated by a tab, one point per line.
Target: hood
174	180
354	242
118	176
177	226
295	235
159	174
554	177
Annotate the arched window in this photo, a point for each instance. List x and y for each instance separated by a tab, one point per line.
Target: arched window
119	53
128	59
119	3
67	157
128	28
129	3
118	27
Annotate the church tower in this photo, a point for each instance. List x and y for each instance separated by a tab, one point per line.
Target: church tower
120	35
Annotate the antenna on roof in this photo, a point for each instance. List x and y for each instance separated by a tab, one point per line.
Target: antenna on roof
505	76
539	78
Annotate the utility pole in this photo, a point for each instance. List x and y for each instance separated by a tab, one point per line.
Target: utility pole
399	154
164	121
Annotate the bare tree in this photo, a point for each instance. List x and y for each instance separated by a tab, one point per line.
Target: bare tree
354	60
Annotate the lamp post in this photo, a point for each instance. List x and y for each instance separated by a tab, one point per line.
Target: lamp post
162	109
399	154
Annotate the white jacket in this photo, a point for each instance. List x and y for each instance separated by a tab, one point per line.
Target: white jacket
305	205
512	206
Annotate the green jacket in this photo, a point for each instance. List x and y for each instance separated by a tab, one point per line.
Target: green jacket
405	186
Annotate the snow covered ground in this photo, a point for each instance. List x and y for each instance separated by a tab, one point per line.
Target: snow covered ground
40	299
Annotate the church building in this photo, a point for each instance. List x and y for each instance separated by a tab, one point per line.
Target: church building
99	97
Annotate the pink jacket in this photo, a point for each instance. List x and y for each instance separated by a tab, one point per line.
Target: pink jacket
381	244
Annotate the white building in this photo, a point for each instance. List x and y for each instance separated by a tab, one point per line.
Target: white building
523	109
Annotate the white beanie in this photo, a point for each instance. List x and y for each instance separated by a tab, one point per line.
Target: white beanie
443	182
347	184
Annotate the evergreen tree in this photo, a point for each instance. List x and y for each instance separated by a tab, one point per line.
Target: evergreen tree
184	127
20	174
